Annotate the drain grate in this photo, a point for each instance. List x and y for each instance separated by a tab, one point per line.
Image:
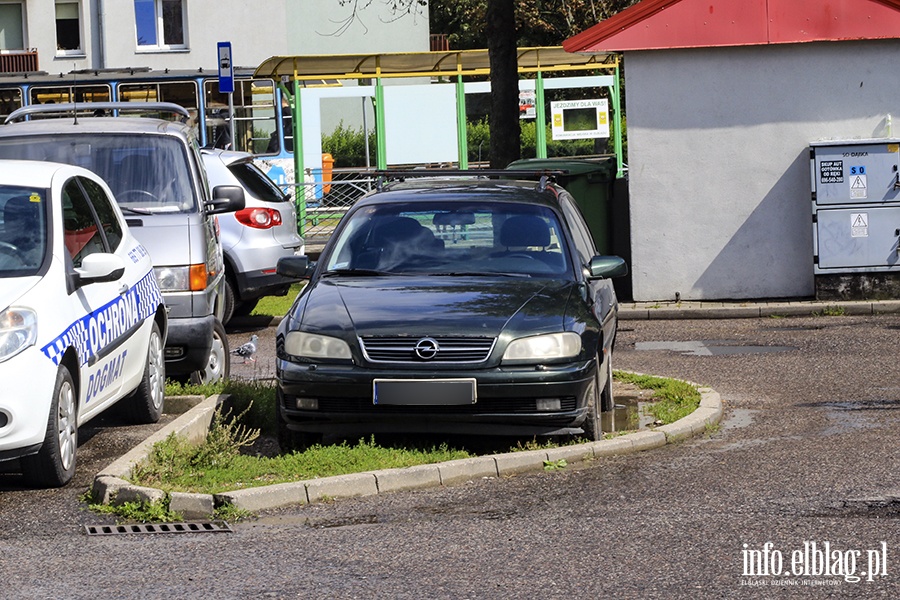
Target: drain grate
199	527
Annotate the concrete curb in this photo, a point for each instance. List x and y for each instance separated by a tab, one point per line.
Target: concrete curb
110	487
738	310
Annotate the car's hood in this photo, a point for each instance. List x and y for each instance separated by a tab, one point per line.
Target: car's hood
436	306
13	288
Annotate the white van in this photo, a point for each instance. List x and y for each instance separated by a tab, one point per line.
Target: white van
154	169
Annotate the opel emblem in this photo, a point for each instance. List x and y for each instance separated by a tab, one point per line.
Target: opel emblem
427	348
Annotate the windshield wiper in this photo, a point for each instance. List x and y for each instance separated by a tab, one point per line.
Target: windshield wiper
477	274
135	211
364	272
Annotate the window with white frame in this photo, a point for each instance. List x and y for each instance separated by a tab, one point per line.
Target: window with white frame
12	26
68	27
160	23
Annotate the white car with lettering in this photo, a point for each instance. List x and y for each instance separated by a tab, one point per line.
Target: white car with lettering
82	321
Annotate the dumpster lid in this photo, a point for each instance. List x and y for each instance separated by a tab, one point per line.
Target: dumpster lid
574	166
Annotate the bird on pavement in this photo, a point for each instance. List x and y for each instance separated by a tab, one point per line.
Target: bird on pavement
247	350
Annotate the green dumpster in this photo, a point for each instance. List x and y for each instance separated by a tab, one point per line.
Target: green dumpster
590	181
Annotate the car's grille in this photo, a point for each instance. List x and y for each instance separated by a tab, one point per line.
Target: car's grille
445	349
492	405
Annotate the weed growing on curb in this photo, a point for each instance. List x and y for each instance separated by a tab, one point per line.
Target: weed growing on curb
673	398
555	465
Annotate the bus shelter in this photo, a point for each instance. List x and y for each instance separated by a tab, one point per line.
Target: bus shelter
466	72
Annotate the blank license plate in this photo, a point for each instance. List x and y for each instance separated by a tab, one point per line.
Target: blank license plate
424	392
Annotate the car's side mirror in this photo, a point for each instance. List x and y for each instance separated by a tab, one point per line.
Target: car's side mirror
226	198
607	267
98	268
295	267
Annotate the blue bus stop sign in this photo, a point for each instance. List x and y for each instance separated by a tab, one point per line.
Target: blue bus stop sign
226	68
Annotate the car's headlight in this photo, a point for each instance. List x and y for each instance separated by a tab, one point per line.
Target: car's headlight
311	345
181	279
540	348
18	330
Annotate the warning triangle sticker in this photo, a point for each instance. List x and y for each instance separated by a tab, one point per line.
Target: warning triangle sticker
858	183
860	221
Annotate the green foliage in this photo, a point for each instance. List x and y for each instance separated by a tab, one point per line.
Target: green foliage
674	398
277	306
230	513
347	146
138	512
178	388
555	465
175	458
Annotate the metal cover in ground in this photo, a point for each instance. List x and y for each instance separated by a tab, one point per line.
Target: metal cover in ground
198	527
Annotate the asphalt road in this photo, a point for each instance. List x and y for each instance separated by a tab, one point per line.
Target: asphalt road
807	455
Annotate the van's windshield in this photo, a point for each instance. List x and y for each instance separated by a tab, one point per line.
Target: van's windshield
147	174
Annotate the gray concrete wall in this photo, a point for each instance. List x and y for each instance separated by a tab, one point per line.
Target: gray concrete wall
719	162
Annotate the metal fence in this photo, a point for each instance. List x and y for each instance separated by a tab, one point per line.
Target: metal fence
327	201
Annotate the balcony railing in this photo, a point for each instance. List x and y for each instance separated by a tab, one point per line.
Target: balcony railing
18	61
439	42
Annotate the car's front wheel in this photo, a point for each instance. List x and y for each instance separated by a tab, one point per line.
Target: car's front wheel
54	464
218	364
607	401
591	426
145	405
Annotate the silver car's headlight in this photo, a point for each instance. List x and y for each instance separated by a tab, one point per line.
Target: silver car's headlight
540	348
173	279
18	331
311	345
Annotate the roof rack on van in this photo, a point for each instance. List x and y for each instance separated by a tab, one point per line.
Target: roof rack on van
544	176
71	108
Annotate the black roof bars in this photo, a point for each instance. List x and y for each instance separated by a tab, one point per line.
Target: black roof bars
71	108
544	176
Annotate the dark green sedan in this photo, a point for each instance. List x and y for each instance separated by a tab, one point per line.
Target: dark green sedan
451	305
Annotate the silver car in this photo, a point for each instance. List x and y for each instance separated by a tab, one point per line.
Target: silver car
253	239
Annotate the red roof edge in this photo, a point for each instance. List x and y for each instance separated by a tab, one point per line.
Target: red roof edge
633	15
623	20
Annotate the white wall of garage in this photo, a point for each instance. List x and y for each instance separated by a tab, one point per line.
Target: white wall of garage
719	174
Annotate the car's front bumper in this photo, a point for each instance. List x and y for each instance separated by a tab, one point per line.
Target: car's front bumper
28	382
188	343
506	403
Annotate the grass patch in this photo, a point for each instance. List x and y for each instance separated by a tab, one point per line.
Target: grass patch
830	311
277	306
674	399
219	464
175	465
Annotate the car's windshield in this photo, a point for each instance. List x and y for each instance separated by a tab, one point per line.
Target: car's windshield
147	173
450	238
23	231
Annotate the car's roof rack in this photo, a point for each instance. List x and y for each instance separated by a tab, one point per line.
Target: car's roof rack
72	108
544	176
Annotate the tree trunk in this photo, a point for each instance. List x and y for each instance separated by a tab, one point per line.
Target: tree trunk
500	28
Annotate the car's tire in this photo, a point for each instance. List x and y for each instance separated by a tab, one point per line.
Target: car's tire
54	464
218	365
145	404
242	309
591	425
288	439
607	401
229	301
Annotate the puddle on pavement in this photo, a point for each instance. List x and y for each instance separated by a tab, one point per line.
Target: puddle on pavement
737	418
710	347
630	413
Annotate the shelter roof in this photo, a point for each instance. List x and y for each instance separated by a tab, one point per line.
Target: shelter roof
664	24
419	64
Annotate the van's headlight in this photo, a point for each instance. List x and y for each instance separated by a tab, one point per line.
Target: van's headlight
542	348
311	345
18	330
192	278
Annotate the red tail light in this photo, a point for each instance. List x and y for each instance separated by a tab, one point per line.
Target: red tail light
258	218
